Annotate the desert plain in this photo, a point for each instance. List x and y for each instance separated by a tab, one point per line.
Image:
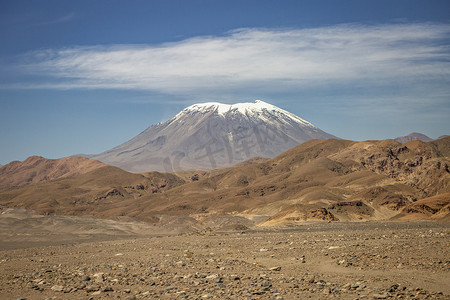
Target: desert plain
67	257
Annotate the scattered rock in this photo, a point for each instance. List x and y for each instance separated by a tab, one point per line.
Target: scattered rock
57	288
380	296
91	289
159	268
170	288
107	289
98	277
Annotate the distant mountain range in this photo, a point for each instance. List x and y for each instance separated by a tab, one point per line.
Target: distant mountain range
212	135
37	169
319	180
250	161
416	136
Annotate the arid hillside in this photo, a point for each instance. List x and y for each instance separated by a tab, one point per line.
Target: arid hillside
414	136
37	169
324	180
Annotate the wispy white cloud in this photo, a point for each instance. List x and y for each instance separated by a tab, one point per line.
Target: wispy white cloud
262	59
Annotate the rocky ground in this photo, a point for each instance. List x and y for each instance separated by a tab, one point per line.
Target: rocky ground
368	260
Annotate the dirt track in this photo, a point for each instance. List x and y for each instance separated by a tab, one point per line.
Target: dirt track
316	260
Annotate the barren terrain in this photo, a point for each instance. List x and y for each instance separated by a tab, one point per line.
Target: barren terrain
327	180
316	260
326	219
38	169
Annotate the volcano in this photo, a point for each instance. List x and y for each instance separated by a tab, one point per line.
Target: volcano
212	135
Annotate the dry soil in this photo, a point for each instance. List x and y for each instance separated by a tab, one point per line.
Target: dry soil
367	260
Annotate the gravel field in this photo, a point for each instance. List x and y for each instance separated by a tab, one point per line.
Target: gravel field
370	260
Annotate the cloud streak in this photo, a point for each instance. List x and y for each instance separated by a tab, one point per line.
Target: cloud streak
262	59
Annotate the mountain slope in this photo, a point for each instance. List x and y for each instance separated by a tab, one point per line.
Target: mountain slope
36	169
331	180
212	135
415	136
97	192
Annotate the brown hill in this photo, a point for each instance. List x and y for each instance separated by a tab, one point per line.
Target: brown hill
327	180
36	169
98	192
415	136
435	208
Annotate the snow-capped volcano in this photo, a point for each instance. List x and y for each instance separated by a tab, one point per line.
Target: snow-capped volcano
212	135
250	109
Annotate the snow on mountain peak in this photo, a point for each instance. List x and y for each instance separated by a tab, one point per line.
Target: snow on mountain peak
209	135
222	109
246	108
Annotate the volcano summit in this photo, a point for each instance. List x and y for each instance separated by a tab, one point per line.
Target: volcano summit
212	135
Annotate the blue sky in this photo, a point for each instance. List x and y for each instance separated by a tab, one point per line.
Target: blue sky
85	76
